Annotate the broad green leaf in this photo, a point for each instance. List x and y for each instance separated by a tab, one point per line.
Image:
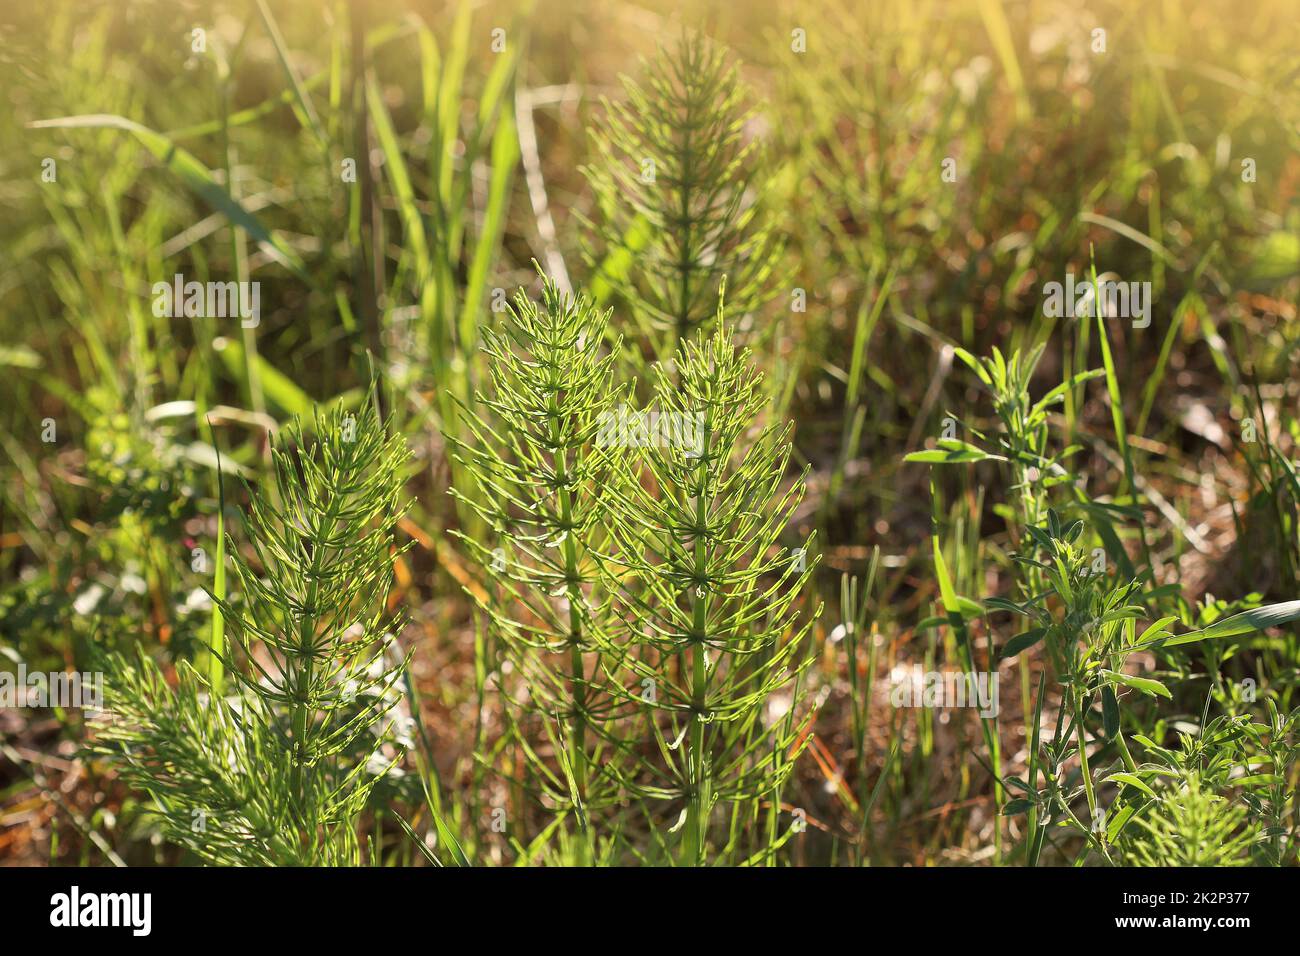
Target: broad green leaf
1109	711
1156	630
975	364
946	590
1256	779
1020	642
1144	684
952	452
1132	781
1002	604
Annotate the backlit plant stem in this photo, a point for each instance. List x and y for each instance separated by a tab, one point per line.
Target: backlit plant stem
578	684
1083	757
698	807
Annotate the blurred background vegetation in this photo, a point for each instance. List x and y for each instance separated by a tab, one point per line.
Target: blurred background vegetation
227	163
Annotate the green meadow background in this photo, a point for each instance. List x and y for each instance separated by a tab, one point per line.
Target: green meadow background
1169	158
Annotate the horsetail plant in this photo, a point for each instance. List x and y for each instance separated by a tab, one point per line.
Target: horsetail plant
1193	826
708	599
679	188
277	770
538	478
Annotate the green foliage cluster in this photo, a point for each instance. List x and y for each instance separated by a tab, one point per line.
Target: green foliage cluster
277	768
643	594
1082	601
680	188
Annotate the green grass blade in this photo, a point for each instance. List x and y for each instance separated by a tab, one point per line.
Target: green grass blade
306	112
194	175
